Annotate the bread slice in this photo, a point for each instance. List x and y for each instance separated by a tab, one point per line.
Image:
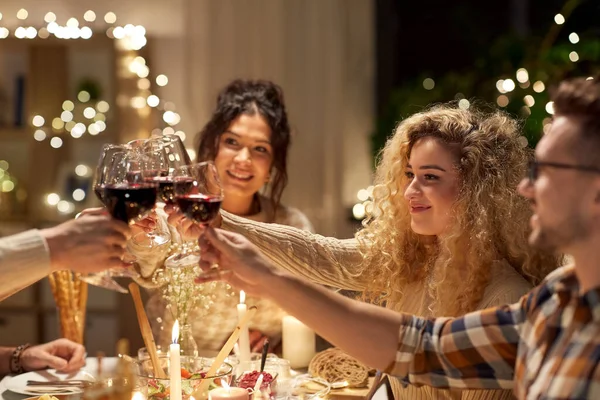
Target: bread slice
334	365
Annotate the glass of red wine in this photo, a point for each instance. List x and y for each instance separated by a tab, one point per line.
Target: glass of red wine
109	155
128	196
198	195
107	158
157	171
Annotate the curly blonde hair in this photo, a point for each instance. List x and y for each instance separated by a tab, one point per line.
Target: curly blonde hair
490	219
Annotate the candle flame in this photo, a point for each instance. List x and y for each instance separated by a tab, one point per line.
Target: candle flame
225	385
175	332
137	396
242	297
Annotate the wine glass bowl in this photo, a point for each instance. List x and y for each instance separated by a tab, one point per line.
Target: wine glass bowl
198	192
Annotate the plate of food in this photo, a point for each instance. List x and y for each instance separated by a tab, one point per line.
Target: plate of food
50	382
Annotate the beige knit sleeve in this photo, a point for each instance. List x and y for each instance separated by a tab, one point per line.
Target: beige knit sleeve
324	260
24	260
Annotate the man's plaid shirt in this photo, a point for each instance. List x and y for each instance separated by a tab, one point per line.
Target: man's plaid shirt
546	346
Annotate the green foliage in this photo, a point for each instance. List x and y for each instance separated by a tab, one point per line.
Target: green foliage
478	83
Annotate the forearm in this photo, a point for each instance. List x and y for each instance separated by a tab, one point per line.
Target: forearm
5	354
324	260
433	352
24	260
367	332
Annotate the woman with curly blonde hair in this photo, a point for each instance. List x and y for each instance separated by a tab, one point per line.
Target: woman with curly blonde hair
447	233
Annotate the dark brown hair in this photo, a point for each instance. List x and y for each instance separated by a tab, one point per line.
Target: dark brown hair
579	99
251	97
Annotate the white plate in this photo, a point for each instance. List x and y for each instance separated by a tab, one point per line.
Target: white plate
18	384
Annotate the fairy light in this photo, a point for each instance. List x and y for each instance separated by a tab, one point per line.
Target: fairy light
82	170
102	106
522	75
52	199
539	87
573	56
559	19
550	107
110	17
78	194
428	83
83	96
66	116
153	100
56	142
22	14
529	100
39	135
508	85
574	38
464	104
50	17
38	121
502	100
162	80
89	16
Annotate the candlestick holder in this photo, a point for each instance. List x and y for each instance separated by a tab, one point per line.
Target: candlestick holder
193	373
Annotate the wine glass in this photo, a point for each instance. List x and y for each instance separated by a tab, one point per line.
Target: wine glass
107	158
175	151
109	155
198	195
129	192
156	165
128	196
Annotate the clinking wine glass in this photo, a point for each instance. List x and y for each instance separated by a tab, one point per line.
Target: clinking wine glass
128	196
109	155
198	195
156	167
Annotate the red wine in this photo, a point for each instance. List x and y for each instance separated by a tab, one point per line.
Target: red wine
99	192
199	208
166	190
129	202
183	186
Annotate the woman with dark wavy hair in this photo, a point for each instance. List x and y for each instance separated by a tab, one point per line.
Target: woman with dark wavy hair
247	137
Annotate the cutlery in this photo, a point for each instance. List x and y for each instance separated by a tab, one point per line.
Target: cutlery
74	382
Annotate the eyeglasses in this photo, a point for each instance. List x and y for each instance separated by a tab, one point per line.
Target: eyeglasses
534	166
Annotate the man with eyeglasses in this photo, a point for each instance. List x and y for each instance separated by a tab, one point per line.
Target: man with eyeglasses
546	346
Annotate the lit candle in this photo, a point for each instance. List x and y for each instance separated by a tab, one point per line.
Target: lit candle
244	340
175	364
227	392
298	342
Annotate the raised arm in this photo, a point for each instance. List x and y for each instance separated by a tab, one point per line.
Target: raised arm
323	260
477	351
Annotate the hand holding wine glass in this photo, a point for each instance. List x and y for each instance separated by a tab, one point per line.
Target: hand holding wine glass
198	195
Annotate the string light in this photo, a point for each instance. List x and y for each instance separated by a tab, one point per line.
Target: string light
428	83
129	37
559	19
574	38
573	56
22	14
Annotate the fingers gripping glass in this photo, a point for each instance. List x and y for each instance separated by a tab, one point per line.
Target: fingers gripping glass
533	168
